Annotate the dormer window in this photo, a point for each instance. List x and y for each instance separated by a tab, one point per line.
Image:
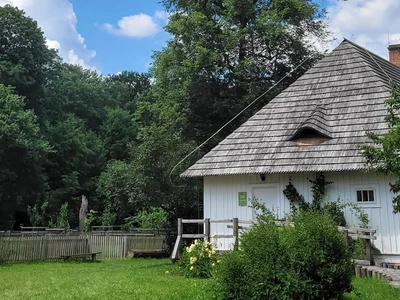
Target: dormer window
309	137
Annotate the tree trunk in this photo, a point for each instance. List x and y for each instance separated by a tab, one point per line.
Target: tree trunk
83	213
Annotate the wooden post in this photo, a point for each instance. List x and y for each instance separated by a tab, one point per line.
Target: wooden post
368	251
180	227
207	230
82	213
358	271
124	246
235	233
180	233
363	272
177	247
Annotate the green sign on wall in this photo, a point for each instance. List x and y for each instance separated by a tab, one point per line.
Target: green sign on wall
242	198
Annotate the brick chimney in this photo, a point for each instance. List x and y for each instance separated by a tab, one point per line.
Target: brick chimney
394	54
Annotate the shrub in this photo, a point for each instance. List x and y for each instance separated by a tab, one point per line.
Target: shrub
199	260
309	260
153	218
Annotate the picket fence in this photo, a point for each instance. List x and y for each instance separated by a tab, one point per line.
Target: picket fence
43	248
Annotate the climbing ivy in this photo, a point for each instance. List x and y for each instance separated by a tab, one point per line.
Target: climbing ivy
318	191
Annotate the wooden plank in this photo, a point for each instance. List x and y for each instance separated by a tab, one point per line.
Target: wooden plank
356	229
223	236
363	236
176	250
192	221
222	221
239	227
192	236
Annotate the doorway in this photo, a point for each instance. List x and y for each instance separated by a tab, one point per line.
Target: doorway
269	196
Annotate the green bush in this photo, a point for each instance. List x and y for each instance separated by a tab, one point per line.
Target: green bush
309	260
199	260
153	218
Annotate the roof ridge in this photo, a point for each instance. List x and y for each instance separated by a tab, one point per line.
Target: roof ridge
377	61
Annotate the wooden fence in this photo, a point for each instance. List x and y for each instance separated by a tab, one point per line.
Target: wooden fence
366	234
50	247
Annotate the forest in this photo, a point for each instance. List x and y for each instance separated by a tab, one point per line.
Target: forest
68	132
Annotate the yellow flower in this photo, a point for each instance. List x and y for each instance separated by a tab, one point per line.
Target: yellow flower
213	264
193	260
213	236
209	254
213	252
218	261
188	249
191	268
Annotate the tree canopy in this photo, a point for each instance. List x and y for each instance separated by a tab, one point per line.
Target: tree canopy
68	132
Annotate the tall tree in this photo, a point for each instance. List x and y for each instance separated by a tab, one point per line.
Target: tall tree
22	154
76	161
74	90
25	60
125	87
224	53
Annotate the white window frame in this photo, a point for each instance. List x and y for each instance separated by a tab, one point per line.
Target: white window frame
366	187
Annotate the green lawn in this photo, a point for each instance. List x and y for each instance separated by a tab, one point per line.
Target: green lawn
107	279
129	279
373	289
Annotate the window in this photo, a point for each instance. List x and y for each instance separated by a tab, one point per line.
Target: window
365	196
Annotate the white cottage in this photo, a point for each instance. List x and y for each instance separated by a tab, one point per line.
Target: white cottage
315	125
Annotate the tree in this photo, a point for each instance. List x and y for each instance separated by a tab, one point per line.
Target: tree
74	90
125	87
223	54
383	155
22	155
118	132
25	60
73	166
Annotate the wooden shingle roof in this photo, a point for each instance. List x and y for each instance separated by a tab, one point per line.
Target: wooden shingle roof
341	97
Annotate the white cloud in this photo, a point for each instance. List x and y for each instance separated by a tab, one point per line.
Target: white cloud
140	25
370	23
161	15
58	22
52	44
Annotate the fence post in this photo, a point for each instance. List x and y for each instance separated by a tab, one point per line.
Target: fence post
235	233
124	246
45	246
368	251
180	227
207	230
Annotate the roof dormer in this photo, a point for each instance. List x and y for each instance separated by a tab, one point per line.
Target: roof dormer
308	136
314	130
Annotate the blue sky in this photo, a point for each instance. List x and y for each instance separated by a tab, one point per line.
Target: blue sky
117	51
111	36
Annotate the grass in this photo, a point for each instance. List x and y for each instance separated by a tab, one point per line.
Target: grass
372	289
130	279
107	279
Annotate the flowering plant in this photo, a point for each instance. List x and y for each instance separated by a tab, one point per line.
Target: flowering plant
199	260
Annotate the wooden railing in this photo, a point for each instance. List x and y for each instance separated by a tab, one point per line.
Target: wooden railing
232	223
366	234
